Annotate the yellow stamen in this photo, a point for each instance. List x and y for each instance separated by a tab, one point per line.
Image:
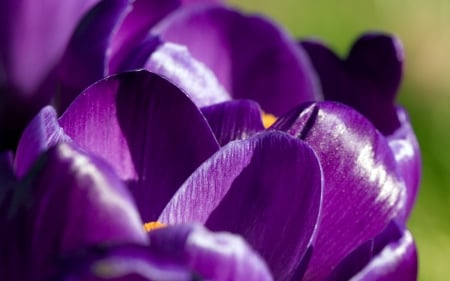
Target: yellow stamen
268	119
153	225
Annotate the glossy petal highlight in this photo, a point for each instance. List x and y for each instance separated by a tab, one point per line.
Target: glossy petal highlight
41	133
363	189
405	147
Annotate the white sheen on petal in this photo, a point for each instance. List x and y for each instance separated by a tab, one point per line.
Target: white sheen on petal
176	64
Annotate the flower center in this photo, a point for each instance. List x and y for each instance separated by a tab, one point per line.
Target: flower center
268	119
149	226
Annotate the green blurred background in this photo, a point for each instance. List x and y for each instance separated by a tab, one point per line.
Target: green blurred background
424	28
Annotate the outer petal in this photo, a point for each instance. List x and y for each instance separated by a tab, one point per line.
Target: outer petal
391	256
144	15
396	261
404	145
125	262
41	133
34	35
234	120
86	58
68	200
152	134
266	188
252	58
213	256
363	190
368	80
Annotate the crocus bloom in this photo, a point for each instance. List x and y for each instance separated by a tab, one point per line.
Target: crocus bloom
323	194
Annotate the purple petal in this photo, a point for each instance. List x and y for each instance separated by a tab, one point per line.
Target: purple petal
363	190
124	262
266	188
144	15
34	35
251	57
368	80
404	145
86	58
136	25
6	169
234	120
397	260
214	256
147	129
41	133
391	256
68	200
176	64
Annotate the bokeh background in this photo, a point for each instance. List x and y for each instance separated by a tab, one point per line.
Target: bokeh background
424	28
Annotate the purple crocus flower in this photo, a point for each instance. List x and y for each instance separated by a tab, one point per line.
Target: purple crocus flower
323	194
44	57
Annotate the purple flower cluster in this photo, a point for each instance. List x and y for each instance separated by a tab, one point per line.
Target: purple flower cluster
119	113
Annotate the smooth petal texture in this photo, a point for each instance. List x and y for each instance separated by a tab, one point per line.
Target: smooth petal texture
214	256
266	188
32	40
404	145
397	260
68	200
147	129
133	30
363	190
391	255
367	80
122	263
6	169
41	133
234	120
86	58
251	57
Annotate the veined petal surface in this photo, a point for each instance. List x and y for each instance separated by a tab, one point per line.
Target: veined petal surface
147	129
363	188
234	120
266	188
